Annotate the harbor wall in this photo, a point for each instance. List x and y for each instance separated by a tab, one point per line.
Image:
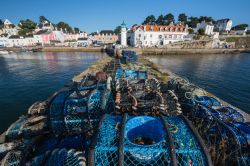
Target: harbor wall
139	51
72	49
171	51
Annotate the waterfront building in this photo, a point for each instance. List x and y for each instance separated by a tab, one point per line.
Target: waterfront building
30	41
74	36
155	35
45	37
239	31
9	28
223	25
123	35
4	41
84	42
16	41
48	26
105	37
207	26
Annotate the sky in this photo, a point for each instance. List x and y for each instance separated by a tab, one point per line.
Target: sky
93	15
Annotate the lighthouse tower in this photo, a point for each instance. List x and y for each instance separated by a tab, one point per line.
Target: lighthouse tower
123	35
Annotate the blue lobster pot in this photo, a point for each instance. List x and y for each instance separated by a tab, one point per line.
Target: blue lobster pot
207	101
143	135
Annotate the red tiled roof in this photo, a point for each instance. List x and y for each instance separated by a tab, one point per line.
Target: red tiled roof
158	28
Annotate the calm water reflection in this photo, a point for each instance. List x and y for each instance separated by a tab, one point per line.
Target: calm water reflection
227	76
28	77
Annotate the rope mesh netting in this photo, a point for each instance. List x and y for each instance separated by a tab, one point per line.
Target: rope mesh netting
57	114
12	159
226	142
73	113
16	129
107	142
187	149
139	149
66	158
129	57
112	67
145	142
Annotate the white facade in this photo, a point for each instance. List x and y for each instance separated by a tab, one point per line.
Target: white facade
17	41
224	25
149	36
38	39
208	27
4	42
44	26
124	35
9	28
74	37
241	31
83	42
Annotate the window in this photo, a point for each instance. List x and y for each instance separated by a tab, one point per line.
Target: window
160	36
139	35
151	35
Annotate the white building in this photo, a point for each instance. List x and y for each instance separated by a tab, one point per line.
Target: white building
44	26
154	35
84	42
224	25
239	31
207	26
16	41
74	36
9	28
4	42
123	35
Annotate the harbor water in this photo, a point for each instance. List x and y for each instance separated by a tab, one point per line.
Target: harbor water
227	76
29	77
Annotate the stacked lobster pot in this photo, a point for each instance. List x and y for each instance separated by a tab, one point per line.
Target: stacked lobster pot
221	126
146	140
21	136
129	56
137	94
79	110
57	131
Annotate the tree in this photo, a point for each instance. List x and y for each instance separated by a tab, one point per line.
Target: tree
169	18
193	21
240	26
1	24
160	20
150	20
118	30
77	30
190	31
23	32
27	24
64	26
43	19
183	18
206	18
201	32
